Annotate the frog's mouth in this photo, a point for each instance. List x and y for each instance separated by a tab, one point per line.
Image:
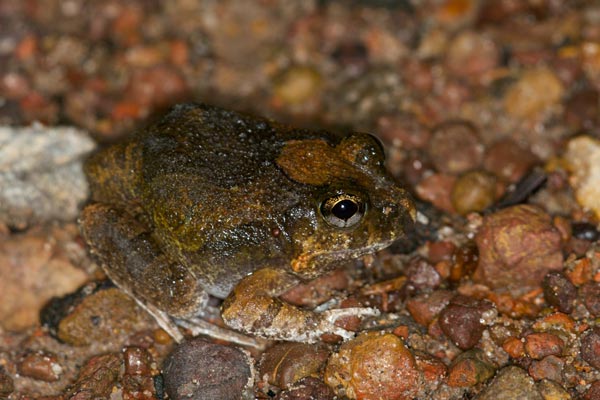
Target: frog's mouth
313	263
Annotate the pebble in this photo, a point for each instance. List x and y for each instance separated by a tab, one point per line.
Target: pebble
287	363
471	55
510	383
41	366
297	85
470	368
583	158
461	320
436	189
138	378
421	275
308	388
102	317
508	160
517	246
35	266
543	344
374	366
581	109
198	369
559	292
593	393
426	306
474	191
403	128
41	177
535	91
97	378
7	385
549	367
590	297
455	147
590	347
550	390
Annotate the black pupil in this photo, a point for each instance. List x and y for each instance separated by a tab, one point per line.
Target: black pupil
345	209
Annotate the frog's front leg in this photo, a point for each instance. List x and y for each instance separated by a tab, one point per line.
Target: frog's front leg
135	262
254	308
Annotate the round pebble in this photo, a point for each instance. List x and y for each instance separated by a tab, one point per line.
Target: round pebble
590	347
509	161
517	246
534	92
559	292
461	320
590	296
374	366
198	369
455	147
473	191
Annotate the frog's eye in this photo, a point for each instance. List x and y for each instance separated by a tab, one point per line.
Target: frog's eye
343	210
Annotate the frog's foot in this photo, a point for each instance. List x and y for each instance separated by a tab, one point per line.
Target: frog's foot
198	326
329	317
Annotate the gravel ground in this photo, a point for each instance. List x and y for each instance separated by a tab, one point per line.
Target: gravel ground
490	113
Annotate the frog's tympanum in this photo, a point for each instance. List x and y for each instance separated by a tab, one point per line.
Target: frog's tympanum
209	201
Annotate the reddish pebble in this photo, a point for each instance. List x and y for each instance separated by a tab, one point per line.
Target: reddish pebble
540	345
374	366
547	368
425	307
436	189
517	246
403	128
590	296
455	147
559	292
508	160
469	369
41	366
462	319
590	347
287	363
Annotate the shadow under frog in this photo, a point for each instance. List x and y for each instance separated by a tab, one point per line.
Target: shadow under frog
210	201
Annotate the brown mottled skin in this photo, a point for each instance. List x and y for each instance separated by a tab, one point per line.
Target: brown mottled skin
212	201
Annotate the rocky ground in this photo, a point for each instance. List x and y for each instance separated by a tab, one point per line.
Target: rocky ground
490	113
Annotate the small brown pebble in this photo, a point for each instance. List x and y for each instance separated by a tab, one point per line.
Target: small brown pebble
473	191
436	189
97	378
590	347
101	317
470	55
198	369
508	160
425	307
517	246
455	147
461	320
464	261
551	390
286	363
421	275
547	368
511	382
542	344
434	370
308	388
6	384
559	292
590	296
470	368
403	128
534	92
297	85
593	393
582	109
374	366
514	347
138	382
42	366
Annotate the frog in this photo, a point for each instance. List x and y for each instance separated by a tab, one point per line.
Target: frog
213	203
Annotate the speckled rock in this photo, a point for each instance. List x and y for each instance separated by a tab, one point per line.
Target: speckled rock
517	247
374	366
559	291
583	157
198	369
41	177
463	320
509	384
